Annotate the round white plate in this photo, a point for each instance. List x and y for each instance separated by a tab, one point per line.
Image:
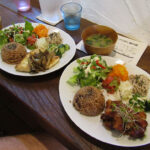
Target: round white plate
93	125
67	56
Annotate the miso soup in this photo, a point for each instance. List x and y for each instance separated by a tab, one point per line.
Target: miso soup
98	40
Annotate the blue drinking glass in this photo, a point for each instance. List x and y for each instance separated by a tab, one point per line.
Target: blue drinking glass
71	13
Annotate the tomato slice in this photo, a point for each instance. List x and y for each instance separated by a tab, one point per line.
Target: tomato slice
31	39
100	65
107	84
108	80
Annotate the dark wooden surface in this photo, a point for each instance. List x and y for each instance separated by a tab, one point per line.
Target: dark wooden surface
30	141
37	99
10	123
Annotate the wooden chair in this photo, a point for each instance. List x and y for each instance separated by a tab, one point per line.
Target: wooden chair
38	141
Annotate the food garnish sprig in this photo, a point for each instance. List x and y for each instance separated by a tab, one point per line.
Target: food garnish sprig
129	117
139	103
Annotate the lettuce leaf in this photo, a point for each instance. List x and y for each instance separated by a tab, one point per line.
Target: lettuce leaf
28	26
3	39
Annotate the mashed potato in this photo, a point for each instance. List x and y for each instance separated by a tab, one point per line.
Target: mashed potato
125	91
42	43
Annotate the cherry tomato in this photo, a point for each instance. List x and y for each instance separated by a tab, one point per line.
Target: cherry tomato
11	40
93	67
108	80
31	39
85	63
106	84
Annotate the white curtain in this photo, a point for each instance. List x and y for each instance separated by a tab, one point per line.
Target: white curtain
129	17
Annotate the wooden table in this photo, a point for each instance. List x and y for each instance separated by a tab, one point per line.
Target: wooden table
37	101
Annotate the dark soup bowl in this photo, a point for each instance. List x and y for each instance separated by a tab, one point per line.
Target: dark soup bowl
99	39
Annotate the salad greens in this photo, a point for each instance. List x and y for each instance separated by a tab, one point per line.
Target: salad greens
28	26
139	103
19	38
17	34
26	36
3	39
59	49
90	72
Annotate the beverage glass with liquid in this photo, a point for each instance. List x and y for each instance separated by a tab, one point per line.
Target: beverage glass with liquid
71	13
23	5
0	22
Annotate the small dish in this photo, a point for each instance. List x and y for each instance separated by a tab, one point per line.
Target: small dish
99	30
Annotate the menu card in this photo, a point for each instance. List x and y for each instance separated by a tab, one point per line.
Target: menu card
126	49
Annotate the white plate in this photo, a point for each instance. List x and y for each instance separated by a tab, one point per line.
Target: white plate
93	125
67	56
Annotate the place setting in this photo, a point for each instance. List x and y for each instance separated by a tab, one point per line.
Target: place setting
105	94
50	38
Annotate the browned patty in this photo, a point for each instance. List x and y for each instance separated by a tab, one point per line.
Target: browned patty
89	101
13	53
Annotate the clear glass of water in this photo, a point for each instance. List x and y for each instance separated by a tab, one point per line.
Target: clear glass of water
71	13
22	5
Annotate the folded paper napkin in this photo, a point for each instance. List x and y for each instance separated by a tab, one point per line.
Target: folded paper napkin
52	21
126	49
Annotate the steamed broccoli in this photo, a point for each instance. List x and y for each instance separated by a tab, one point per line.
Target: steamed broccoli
59	49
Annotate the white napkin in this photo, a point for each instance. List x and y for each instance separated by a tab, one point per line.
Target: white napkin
52	21
50	11
127	50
